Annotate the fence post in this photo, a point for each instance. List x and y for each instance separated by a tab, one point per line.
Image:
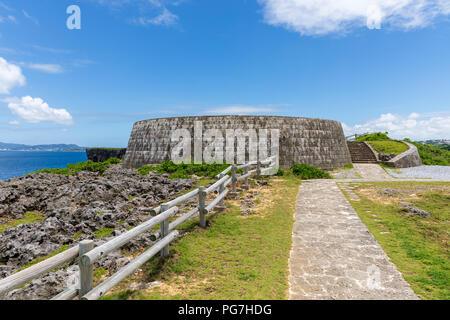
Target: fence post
86	271
246	186
233	180
201	206
164	231
258	168
221	204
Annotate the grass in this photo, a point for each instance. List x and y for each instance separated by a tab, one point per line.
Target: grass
98	275
103	233
383	144
89	165
388	147
377	136
235	257
78	235
28	217
417	246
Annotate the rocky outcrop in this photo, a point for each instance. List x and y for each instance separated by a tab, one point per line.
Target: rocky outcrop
408	207
317	142
103	154
83	206
409	158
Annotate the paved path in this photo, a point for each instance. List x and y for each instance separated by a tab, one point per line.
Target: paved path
371	171
334	256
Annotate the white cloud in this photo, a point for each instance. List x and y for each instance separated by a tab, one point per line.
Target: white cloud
12	19
10	76
320	17
82	62
35	110
14	123
414	126
51	50
7	50
48	68
240	110
166	18
30	17
4	6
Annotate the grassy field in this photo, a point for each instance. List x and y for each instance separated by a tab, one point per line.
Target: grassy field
383	144
389	147
417	246
235	257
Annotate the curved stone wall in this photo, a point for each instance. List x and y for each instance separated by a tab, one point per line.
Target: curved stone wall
317	142
407	159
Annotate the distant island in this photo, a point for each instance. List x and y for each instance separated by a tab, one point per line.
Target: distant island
43	147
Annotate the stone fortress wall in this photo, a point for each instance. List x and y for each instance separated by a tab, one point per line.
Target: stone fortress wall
317	142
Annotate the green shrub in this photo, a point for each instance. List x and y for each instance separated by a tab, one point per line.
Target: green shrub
432	155
306	171
378	136
179	174
145	170
89	165
184	170
280	172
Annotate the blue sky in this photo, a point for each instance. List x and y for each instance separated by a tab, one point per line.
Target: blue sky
371	64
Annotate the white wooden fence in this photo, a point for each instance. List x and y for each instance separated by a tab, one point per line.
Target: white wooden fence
356	135
88	255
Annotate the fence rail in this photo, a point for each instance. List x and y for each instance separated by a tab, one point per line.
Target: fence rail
88	255
356	135
38	269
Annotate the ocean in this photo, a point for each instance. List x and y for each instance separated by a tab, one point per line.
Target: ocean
18	163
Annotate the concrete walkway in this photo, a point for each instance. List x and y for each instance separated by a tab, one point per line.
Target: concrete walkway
334	256
371	171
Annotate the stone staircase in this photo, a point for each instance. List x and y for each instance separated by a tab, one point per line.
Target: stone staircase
361	153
